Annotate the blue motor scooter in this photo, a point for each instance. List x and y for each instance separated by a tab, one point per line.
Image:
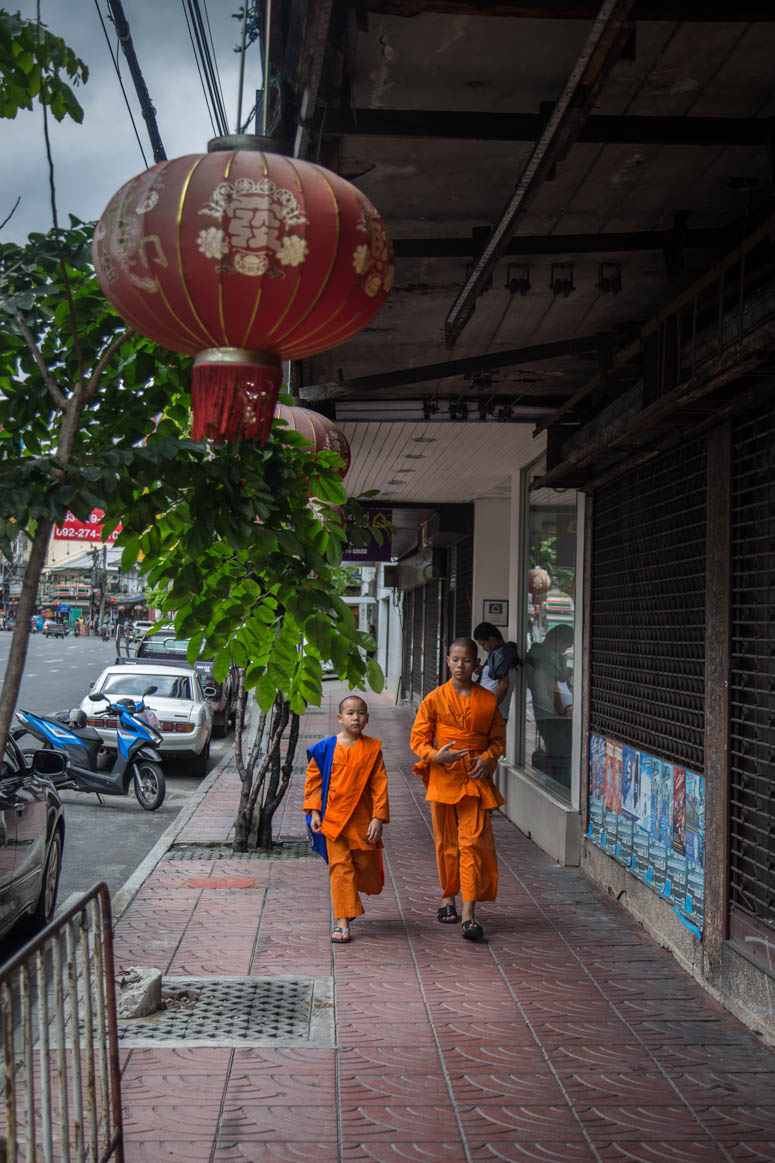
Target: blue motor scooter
136	763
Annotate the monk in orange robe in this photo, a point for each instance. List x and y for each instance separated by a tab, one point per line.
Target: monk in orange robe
346	801
458	737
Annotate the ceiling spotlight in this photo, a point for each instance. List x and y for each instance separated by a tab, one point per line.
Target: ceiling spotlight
561	280
609	278
518	279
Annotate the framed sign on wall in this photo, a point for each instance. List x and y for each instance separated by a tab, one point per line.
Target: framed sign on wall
496	611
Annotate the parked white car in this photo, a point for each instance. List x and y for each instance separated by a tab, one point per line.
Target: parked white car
141	626
185	717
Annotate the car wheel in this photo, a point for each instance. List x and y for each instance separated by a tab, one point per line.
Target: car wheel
44	909
201	760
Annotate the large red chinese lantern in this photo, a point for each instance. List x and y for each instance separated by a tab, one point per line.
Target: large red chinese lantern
242	258
321	432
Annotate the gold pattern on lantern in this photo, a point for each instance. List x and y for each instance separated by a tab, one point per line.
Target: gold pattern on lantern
372	260
259	228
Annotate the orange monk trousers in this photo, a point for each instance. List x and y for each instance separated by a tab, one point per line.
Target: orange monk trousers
352	870
465	849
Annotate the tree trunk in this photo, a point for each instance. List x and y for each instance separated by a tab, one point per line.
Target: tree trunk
25	608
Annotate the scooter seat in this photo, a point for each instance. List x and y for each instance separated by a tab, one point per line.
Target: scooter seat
89	734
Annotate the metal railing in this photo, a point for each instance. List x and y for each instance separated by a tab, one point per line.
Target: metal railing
61	1074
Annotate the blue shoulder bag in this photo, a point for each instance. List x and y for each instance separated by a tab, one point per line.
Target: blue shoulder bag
323	754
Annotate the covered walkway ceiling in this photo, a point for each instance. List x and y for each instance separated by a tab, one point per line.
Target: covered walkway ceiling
551	174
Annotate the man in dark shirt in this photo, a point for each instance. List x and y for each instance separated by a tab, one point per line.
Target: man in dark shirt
499	672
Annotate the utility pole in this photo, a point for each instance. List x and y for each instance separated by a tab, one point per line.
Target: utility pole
121	23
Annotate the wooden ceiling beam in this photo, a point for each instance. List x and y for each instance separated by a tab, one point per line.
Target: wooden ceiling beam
528	127
604	243
709	11
460	367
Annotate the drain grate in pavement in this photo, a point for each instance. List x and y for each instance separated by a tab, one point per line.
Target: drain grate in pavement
292	848
236	1011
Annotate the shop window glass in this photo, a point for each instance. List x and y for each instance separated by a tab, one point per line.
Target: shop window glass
548	670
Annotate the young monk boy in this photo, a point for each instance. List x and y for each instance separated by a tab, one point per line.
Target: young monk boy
458	735
346	801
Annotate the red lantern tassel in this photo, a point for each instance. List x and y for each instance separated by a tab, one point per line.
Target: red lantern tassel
234	393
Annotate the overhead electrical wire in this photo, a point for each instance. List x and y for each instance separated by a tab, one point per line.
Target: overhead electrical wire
209	72
114	58
212	50
199	71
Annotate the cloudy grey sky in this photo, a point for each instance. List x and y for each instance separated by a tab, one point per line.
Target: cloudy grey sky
93	159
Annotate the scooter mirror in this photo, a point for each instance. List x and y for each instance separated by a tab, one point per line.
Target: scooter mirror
151	690
99	697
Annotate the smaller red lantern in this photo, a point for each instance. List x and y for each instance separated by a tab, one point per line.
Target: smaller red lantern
321	432
539	581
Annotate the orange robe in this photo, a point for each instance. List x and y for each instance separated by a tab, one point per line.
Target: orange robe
357	794
460	806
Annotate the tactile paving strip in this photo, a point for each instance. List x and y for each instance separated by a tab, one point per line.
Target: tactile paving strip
236	1011
292	849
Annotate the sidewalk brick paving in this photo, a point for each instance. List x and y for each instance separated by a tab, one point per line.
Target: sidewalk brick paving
569	1036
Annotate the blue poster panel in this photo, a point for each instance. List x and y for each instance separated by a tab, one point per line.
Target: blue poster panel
597	767
624	840
649	814
379	548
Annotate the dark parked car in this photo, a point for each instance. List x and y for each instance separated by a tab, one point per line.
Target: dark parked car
32	836
163	646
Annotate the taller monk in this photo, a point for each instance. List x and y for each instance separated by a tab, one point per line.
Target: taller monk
458	737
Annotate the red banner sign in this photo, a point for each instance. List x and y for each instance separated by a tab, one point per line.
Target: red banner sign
74	530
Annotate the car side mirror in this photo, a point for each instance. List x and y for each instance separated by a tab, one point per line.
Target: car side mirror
91	684
49	763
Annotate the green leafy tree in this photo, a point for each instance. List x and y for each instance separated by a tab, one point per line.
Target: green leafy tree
73	432
250	567
33	66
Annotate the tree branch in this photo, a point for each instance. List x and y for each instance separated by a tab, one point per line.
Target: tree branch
54	215
105	358
24	610
11	213
50	382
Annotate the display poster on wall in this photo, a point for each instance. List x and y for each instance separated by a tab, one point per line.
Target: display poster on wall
649	815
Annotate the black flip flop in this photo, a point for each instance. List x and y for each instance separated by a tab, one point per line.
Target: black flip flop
343	939
472	931
447	914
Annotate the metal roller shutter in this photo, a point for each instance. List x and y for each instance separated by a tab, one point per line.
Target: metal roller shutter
464	585
418	643
406	659
752	672
431	639
647	665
